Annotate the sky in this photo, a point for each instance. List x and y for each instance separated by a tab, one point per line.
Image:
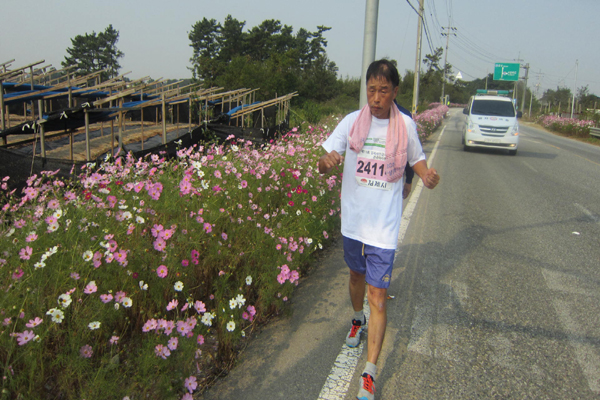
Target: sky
557	38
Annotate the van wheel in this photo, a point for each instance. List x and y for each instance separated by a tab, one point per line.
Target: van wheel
512	152
466	148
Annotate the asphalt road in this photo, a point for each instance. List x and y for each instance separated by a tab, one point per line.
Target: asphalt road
496	289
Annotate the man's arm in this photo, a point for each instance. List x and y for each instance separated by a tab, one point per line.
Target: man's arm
328	161
429	176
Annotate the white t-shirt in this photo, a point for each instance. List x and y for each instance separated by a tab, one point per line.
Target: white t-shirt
371	207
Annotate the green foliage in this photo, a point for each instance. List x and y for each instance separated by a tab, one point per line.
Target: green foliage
268	56
95	52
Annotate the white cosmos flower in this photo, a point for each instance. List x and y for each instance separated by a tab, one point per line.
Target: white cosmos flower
64	300
298	212
94	325
127	302
178	286
56	314
233	304
207	318
57	213
240	300
143	286
231	326
140	220
248	280
88	255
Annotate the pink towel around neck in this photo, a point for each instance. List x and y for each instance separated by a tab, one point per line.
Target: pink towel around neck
396	141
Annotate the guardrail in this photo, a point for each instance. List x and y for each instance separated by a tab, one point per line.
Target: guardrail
595	132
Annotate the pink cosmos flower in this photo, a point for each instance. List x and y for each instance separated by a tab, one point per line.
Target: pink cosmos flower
182	328
25	253
172	304
34	322
245	316
121	257
161	324
185	263
106	297
173	342
156	229
169	328
114	340
31	238
119	296
200	340
90	288
160	244
200	306
150	325
251	310
162	351
190	384
207	227
162	271
187	396
325	235
23	338
17	274
224	236
86	351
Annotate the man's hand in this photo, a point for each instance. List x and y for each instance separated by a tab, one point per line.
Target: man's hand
406	190
329	160
430	178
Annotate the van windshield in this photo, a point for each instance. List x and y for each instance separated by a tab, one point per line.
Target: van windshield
493	107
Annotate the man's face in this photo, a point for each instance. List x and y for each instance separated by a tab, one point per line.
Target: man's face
380	96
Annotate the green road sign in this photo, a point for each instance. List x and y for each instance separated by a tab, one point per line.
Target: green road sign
506	71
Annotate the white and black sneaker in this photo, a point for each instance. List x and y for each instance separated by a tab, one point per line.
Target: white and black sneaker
353	337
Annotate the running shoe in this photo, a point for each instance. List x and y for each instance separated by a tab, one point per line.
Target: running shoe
367	389
353	337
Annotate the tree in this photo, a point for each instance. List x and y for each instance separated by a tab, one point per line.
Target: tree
204	39
279	61
95	52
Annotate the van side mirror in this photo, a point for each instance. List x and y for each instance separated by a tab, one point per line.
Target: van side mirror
466	111
519	114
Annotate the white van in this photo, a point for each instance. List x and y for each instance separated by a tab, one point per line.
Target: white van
491	123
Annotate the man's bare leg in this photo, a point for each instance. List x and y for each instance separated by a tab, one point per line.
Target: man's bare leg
357	290
377	322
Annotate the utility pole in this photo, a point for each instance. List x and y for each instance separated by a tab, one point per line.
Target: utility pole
526	67
369	45
415	100
447	34
573	102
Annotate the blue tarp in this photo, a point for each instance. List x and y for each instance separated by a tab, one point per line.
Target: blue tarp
238	108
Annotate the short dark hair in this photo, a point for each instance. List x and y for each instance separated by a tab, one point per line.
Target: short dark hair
384	69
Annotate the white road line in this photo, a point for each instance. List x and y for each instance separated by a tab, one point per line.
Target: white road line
337	383
585	353
530	167
588	213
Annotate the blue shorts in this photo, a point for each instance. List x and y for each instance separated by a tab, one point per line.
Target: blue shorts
373	262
